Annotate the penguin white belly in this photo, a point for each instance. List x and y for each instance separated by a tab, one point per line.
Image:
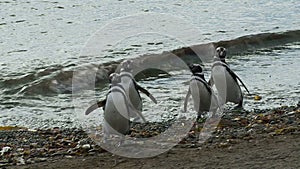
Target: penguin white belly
200	95
116	120
228	89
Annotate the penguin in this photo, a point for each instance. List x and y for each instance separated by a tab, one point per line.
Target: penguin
203	96
117	109
225	80
132	88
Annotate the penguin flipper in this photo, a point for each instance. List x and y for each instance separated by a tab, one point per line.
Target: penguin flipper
239	79
236	77
146	92
95	106
186	100
210	82
208	88
243	84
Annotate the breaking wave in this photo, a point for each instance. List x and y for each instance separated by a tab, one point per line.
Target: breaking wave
57	79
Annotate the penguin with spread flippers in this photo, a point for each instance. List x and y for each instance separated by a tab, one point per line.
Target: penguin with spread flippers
132	88
225	80
203	96
117	109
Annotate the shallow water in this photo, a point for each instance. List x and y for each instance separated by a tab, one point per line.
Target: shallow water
273	74
42	41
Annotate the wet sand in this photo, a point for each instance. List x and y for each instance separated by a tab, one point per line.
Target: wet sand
270	152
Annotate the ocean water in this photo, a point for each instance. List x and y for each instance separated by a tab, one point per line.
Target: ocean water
44	42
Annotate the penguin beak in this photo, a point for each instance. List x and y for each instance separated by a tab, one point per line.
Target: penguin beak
222	53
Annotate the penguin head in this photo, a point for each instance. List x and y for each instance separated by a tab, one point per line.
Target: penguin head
195	68
114	78
221	53
126	66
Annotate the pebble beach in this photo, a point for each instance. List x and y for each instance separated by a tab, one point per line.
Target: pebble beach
33	148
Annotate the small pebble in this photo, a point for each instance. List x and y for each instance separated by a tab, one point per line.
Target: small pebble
20	161
68	156
5	150
86	146
257	97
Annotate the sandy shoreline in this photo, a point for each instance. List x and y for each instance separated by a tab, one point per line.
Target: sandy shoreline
274	152
258	139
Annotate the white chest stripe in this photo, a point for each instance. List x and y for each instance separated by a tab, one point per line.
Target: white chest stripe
218	63
117	89
203	82
198	78
126	74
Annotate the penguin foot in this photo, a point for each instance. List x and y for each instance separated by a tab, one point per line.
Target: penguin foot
238	107
200	118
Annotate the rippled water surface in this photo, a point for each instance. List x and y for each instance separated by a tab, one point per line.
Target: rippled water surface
42	42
